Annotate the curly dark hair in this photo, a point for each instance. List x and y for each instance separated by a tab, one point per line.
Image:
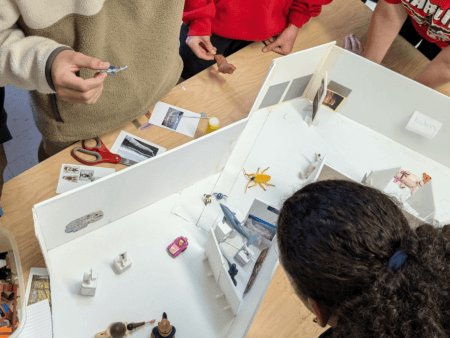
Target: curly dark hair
335	241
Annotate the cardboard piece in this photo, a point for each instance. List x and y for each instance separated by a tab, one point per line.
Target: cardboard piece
123	194
214	255
381	178
423	202
423	125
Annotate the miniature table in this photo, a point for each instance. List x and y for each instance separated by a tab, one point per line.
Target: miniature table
230	98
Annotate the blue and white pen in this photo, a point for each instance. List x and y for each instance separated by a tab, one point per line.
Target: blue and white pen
112	70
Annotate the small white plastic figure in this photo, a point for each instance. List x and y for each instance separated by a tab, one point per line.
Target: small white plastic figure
89	284
122	263
311	167
244	256
222	231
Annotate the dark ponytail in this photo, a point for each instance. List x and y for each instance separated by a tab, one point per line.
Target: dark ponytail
350	248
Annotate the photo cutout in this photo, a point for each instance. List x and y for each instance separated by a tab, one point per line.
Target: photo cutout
172	118
136	150
71	169
87	175
333	100
319	97
73	179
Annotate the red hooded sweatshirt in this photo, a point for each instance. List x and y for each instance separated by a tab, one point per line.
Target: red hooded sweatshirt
250	20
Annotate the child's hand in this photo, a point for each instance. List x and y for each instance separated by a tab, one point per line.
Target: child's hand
194	43
284	42
352	44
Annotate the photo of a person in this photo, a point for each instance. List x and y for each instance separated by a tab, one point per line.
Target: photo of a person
333	100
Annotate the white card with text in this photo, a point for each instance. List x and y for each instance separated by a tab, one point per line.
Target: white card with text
424	125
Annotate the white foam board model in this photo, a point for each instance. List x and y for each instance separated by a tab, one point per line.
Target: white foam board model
214	255
138	202
423	201
381	178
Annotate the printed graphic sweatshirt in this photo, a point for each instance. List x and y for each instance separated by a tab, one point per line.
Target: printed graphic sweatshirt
142	34
250	20
431	18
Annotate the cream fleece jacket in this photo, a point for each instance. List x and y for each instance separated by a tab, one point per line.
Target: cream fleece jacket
142	34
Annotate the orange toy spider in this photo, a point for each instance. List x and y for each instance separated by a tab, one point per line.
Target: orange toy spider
258	178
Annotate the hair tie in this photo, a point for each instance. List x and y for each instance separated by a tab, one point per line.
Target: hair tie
398	261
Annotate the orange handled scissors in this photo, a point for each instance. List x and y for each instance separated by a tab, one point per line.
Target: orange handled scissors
102	154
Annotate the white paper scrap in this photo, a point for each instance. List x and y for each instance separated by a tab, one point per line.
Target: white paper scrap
39	321
423	125
73	176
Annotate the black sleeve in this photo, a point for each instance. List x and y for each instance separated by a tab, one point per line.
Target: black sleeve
3	255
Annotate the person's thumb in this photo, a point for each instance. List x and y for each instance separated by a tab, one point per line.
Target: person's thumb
210	47
270	47
85	61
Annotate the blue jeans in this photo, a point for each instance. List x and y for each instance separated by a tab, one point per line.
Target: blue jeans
5	135
194	65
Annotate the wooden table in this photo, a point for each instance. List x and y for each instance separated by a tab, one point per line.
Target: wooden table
229	98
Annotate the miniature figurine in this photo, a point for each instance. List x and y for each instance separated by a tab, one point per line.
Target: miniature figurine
311	167
164	329
112	70
177	246
89	284
115	330
258	178
119	329
122	263
208	199
222	64
233	271
244	255
219	195
426	178
410	180
233	222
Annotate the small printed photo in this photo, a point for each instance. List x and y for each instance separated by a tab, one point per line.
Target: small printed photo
71	169
172	118
333	100
135	150
73	179
318	98
87	175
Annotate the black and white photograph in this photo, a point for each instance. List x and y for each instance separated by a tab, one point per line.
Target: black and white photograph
172	118
87	175
134	148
